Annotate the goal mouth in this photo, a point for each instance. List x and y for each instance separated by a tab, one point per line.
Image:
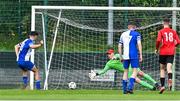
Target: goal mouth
76	40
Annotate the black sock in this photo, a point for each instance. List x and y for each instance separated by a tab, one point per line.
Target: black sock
162	81
169	76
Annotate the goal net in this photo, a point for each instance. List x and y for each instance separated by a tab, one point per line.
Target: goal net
76	40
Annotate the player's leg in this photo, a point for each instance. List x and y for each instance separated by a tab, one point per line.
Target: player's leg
125	81
25	78
170	60
125	75
139	81
162	61
37	78
149	78
30	66
145	84
162	78
146	76
169	70
24	71
132	80
134	65
162	75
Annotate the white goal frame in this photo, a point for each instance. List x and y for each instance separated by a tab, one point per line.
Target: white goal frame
33	13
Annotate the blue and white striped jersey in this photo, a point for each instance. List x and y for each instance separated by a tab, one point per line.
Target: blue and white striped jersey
129	40
25	50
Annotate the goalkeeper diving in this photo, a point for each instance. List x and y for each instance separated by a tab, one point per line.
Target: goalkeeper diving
114	63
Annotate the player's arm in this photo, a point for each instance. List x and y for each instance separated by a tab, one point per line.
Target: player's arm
106	68
177	39
33	46
94	74
17	47
139	48
158	41
120	48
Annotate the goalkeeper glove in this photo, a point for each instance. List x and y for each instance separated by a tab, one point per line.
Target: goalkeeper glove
92	75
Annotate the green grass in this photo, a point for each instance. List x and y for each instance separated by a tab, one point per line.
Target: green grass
86	95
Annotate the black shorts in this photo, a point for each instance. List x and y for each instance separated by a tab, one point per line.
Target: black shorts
164	59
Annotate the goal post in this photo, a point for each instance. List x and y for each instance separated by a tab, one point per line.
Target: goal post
107	8
32	54
52	50
74	44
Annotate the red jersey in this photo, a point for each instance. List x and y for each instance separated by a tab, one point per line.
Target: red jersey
168	39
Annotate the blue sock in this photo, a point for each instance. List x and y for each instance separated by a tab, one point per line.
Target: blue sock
131	84
124	83
38	84
25	80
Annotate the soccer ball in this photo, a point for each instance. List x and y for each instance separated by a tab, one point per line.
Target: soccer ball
72	85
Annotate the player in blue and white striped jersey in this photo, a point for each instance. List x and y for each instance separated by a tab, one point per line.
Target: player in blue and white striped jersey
130	41
23	52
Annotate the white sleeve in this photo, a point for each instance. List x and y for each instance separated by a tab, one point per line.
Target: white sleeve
139	38
121	40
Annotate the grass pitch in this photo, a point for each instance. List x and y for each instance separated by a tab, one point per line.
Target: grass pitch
86	95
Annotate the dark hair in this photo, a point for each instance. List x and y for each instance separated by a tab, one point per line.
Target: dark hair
131	23
166	20
33	33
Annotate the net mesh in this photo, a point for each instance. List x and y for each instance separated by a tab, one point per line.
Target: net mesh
81	44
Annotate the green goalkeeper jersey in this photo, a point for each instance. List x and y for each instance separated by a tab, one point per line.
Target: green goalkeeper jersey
116	65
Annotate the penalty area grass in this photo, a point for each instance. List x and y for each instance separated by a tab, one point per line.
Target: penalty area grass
86	95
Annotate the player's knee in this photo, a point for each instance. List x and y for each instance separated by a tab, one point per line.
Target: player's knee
125	70
125	74
133	75
169	70
135	71
140	73
169	67
162	68
35	69
137	80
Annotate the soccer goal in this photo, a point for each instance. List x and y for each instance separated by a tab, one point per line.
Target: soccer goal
76	39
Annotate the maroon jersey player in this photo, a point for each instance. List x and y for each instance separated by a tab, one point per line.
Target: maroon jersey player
166	43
